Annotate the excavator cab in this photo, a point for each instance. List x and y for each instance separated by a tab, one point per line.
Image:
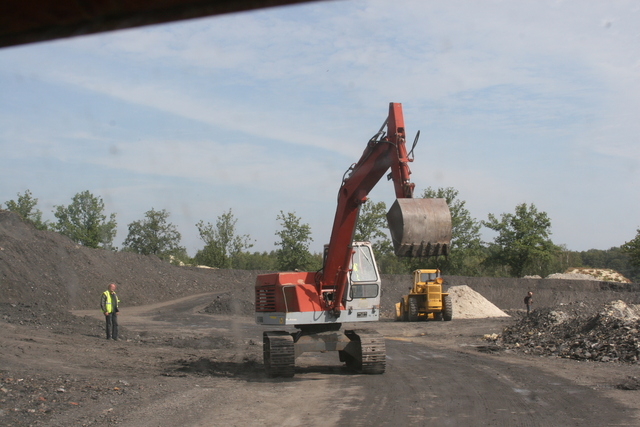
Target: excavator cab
420	227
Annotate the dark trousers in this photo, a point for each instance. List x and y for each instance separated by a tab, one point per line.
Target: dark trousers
112	326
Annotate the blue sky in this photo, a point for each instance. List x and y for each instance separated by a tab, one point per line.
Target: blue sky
261	112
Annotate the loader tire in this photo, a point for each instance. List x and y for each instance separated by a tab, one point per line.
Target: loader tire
403	312
413	309
278	353
447	308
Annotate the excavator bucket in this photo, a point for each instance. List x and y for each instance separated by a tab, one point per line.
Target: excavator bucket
420	227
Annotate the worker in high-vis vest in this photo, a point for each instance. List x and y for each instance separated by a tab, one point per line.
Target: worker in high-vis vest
109	306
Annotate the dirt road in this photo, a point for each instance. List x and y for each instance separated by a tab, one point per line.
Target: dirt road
178	366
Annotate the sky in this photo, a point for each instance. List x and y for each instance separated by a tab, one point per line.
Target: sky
262	112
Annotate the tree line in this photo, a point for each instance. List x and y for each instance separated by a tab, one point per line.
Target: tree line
522	244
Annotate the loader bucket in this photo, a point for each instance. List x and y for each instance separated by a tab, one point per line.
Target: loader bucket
420	227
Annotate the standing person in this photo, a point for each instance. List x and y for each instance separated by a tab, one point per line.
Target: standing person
528	300
109	305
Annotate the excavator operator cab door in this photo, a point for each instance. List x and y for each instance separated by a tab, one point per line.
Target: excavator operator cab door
362	297
364	279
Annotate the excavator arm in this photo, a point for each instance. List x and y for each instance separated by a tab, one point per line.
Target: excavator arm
399	166
380	154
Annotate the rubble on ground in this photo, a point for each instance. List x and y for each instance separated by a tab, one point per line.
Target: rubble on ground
574	331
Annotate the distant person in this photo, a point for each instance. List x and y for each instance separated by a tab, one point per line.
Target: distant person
528	300
109	305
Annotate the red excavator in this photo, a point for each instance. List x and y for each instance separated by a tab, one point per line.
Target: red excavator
347	288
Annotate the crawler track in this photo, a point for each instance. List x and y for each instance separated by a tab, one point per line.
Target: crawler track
278	353
373	359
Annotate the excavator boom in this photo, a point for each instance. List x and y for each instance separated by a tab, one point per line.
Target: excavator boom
418	227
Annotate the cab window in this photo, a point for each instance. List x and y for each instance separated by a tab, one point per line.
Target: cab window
369	290
428	277
363	268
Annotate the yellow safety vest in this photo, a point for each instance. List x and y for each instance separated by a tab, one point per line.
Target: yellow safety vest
108	304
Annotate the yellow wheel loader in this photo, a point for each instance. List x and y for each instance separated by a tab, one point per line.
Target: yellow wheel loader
425	301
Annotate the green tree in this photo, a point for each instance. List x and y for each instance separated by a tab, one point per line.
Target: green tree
372	221
632	249
153	235
24	207
295	238
522	244
566	259
465	252
84	222
266	261
372	227
222	243
389	263
595	258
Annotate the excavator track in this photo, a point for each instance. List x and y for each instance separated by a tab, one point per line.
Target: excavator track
372	354
278	353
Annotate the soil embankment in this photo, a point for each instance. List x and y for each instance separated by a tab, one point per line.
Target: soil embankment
43	271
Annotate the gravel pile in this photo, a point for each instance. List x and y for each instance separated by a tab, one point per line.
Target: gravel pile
585	273
602	274
572	276
469	304
575	331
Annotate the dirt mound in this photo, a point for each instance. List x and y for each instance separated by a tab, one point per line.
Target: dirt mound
577	331
602	274
469	304
585	273
42	272
228	304
40	316
569	276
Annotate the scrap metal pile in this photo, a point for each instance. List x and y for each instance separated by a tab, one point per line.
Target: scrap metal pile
610	334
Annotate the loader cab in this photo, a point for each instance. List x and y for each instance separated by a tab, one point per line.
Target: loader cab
425	276
427	281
